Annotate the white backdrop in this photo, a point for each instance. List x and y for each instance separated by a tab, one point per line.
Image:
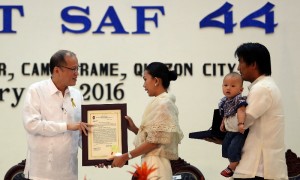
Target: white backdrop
177	39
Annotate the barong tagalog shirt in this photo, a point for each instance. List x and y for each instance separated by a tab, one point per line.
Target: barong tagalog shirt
264	151
52	149
160	125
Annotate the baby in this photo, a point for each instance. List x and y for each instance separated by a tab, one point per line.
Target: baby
233	110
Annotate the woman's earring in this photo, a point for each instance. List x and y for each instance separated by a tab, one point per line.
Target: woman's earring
155	84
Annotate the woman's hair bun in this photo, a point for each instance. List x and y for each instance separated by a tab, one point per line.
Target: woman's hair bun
172	75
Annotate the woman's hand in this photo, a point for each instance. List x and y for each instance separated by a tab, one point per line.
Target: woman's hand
131	126
119	161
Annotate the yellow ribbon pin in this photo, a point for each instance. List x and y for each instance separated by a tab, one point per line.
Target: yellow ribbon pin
73	103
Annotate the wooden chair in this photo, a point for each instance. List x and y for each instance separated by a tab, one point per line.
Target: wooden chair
181	169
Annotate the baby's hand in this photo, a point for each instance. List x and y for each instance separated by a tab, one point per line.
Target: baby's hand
241	128
222	127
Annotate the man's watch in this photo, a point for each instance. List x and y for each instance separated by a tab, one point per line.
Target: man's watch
129	155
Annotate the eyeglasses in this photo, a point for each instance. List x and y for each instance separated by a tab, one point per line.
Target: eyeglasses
74	70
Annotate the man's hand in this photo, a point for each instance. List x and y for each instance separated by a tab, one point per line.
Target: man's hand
82	127
85	128
214	140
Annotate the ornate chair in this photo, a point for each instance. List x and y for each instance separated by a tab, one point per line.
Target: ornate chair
16	172
181	169
293	164
185	171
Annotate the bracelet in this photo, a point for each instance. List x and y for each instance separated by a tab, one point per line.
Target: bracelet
241	123
129	155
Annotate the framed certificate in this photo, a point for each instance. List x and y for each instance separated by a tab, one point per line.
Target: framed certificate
108	134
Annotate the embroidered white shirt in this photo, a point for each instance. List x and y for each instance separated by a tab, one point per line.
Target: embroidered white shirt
265	141
52	150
